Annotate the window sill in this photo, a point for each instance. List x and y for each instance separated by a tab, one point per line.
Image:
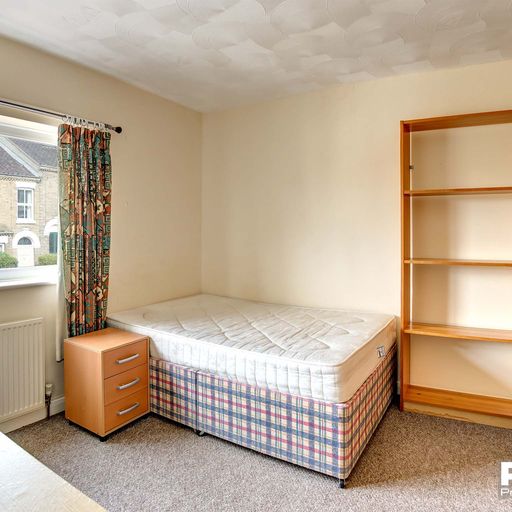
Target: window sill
26	283
28	276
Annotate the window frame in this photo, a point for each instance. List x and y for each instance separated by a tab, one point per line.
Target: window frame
36	275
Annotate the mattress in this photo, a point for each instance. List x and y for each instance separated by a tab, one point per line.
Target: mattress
324	354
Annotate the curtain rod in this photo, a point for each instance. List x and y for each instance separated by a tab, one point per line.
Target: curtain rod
60	115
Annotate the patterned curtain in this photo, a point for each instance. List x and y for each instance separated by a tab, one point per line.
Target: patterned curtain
85	194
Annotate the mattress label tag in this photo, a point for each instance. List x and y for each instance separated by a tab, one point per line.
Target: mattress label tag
381	351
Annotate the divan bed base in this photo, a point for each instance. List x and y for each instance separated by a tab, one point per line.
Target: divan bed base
322	436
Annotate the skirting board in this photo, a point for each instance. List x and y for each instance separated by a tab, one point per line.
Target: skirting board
56	407
471	417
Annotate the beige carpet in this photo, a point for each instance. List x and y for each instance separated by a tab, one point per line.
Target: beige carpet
412	463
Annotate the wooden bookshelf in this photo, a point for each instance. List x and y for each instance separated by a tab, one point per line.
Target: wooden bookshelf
443	398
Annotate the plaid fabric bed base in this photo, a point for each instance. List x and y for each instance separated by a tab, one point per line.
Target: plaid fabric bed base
322	436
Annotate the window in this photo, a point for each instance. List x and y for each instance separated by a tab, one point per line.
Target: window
24	241
25	204
53	241
51	230
29	181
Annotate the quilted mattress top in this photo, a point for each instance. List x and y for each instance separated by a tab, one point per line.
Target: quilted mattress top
313	335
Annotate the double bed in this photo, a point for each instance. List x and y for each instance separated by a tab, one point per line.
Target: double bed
305	385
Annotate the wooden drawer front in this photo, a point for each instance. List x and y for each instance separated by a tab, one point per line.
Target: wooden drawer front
126	409
124	358
126	383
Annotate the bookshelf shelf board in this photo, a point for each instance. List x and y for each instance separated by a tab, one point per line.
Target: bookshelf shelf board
458	121
456	400
457	191
458	263
459	332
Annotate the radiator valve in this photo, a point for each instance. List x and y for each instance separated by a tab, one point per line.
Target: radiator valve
48	389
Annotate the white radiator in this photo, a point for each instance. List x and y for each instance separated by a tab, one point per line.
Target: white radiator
21	368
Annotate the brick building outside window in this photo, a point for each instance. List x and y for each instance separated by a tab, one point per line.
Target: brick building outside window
28	202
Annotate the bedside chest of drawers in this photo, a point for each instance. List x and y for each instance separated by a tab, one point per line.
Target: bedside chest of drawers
106	379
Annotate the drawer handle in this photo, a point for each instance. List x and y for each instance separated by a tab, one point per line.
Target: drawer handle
130	409
127	359
129	384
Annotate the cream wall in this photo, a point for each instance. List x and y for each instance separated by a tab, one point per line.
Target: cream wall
156	232
301	206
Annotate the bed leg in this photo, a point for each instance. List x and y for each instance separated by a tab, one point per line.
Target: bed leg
200	433
341	483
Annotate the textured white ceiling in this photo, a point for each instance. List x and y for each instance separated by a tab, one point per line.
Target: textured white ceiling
214	54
